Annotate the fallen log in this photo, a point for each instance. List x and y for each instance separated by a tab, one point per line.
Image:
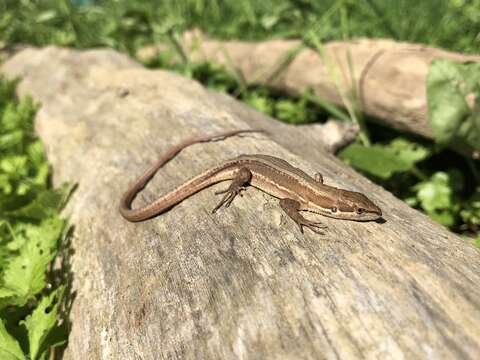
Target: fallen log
388	77
243	283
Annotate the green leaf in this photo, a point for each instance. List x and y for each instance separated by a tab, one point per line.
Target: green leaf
409	152
30	230
289	111
14	165
436	197
9	347
260	102
45	205
385	160
19	115
6	293
373	160
453	92
5	185
18	235
469	131
7	91
46	16
36	153
24	275
435	193
470	214
10	139
41	322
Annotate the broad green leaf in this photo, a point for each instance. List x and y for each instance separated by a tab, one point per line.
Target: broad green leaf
469	130
42	321
408	151
435	193
19	115
373	160
25	274
11	139
453	92
384	160
436	197
36	153
9	347
19	231
6	293
46	204
14	165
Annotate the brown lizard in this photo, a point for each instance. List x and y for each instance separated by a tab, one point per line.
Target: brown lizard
296	190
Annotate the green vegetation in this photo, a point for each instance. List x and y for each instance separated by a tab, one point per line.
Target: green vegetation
428	176
30	236
453	90
127	24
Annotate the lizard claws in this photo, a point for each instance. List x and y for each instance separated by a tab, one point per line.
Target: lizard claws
316	227
238	191
236	187
230	194
291	208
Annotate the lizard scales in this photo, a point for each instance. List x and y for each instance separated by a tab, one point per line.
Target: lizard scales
296	190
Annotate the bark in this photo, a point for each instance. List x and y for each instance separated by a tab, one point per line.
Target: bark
243	283
388	77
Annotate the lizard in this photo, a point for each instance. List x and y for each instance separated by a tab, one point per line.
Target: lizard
296	190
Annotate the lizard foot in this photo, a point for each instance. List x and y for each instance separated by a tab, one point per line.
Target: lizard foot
230	194
291	208
315	226
236	187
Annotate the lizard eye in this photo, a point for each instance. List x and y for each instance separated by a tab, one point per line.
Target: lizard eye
333	209
360	211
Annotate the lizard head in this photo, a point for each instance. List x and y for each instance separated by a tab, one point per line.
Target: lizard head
353	205
349	205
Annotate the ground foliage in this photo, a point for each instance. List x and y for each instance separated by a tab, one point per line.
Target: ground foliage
30	235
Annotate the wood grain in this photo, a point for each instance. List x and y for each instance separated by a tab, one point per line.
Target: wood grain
244	283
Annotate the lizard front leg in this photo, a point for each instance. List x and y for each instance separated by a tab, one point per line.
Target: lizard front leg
238	184
291	208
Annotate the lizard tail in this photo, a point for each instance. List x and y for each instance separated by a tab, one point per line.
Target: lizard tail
175	196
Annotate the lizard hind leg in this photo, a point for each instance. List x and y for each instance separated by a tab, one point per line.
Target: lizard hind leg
291	208
238	184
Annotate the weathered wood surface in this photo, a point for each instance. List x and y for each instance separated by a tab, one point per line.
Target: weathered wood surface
389	77
244	283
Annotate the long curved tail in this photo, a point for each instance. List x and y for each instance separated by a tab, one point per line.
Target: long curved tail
182	192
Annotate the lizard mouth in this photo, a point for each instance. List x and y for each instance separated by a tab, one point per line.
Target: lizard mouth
380	220
370	215
352	216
